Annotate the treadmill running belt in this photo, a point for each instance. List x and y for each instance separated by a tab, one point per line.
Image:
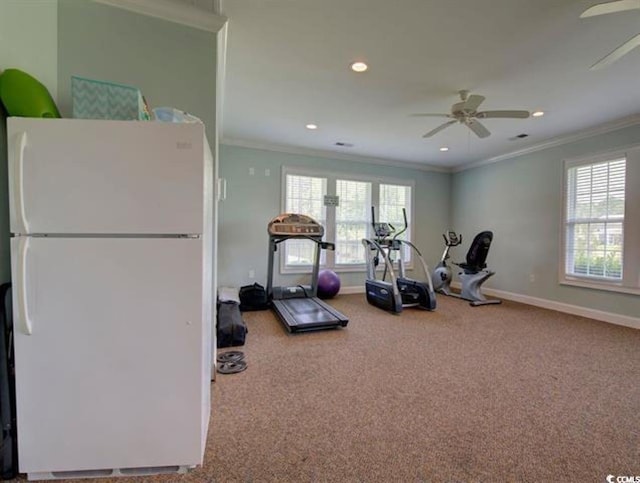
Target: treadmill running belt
306	311
300	314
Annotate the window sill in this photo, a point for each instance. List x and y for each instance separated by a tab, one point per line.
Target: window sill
337	269
606	286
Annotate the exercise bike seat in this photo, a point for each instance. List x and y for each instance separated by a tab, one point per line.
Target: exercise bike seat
477	254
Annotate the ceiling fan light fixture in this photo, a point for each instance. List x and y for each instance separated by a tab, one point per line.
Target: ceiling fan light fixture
359	66
537	113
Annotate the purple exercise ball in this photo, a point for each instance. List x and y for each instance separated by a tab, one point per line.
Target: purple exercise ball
328	284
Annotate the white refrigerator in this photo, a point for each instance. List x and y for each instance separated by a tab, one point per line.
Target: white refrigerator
111	261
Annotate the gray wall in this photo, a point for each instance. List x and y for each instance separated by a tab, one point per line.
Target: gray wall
254	200
173	65
520	200
29	42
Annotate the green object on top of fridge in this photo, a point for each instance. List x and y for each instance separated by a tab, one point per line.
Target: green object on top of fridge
24	96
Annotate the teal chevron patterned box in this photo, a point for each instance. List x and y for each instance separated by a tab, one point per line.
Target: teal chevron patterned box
94	99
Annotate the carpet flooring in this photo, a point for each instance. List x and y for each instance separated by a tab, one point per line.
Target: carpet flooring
488	394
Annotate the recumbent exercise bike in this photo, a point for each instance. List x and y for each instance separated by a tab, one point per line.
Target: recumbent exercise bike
473	273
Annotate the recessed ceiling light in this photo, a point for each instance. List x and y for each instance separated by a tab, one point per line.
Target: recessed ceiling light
359	67
312	126
444	149
538	114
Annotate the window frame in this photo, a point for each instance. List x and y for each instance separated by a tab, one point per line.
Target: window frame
630	282
330	225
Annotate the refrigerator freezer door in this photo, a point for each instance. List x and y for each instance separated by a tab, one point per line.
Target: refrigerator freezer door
105	177
110	375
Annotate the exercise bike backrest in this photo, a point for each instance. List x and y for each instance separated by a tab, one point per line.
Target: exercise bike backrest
478	251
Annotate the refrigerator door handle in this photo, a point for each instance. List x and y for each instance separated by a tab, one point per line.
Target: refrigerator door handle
21	215
23	304
222	189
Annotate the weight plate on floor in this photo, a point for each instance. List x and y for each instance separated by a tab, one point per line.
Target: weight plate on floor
230	356
232	367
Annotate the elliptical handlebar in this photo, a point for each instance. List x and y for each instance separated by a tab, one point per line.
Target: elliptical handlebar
381	231
384	230
406	225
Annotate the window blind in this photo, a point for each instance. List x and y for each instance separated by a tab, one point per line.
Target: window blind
305	195
595	195
393	198
352	220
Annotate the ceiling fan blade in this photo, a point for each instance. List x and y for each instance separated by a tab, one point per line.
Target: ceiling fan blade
473	102
478	129
624	49
439	128
611	7
503	114
429	115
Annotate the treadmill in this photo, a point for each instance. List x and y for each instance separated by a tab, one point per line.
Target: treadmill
298	306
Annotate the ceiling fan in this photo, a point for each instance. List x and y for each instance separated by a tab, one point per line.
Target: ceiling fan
614	7
466	112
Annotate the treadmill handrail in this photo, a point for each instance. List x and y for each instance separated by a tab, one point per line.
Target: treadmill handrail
322	244
277	239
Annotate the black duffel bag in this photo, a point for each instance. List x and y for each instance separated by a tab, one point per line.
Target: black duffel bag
8	444
231	330
253	297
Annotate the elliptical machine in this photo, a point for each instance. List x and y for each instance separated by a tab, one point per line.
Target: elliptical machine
472	275
399	292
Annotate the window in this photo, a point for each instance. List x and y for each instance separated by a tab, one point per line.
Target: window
595	217
352	221
393	198
305	194
347	223
601	239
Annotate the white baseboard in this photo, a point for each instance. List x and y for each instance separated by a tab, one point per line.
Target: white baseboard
617	319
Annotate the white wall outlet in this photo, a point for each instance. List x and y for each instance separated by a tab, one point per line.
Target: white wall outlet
267	172
532	277
252	273
252	171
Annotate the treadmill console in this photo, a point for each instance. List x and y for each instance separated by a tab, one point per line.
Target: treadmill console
291	224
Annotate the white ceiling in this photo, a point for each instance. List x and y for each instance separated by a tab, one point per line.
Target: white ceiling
288	65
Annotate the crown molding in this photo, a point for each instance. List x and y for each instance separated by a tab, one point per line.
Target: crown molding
171	11
557	141
302	151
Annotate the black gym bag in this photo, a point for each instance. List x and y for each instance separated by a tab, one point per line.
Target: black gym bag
231	330
9	444
253	297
